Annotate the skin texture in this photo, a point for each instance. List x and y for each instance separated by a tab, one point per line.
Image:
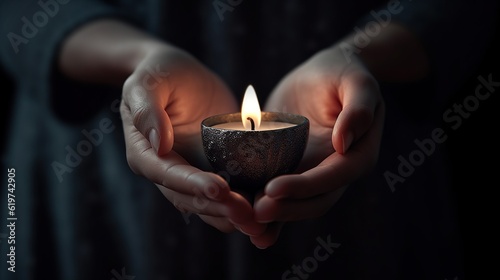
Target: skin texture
163	87
339	93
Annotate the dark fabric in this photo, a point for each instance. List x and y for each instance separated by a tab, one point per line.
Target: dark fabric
100	220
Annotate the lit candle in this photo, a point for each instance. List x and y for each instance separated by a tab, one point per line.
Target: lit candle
251	147
251	116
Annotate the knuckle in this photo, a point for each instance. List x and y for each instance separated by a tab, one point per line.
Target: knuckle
140	115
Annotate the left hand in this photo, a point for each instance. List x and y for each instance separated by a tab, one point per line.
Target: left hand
161	114
343	103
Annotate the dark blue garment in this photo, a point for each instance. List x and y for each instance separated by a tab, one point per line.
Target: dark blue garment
98	220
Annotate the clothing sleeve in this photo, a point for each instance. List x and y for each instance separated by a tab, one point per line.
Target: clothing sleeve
455	35
34	31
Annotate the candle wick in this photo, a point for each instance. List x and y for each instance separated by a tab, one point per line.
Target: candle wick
252	123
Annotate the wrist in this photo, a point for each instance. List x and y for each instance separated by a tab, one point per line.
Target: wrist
104	51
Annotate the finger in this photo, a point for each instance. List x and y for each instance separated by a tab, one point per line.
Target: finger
147	112
331	174
171	170
252	228
240	213
269	237
269	209
359	94
221	224
224	225
334	172
258	196
234	209
195	204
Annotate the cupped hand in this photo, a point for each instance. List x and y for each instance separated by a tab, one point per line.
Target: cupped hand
343	103
163	104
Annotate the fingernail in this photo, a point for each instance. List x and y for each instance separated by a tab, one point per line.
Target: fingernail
241	230
346	142
244	232
272	192
154	139
262	248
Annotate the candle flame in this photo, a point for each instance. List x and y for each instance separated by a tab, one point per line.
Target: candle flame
250	109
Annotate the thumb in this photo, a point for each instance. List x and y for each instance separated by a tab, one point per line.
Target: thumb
148	114
360	101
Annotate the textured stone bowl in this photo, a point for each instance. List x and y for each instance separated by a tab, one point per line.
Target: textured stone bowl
249	159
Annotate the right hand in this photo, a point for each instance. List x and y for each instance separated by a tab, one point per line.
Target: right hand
163	104
342	101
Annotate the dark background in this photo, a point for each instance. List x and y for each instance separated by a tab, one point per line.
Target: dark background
473	151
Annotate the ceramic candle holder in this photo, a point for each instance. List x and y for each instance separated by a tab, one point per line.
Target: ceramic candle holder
248	159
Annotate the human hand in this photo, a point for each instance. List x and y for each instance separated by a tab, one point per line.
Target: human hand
164	101
342	101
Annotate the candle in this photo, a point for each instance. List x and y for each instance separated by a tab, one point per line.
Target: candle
250	110
251	116
251	147
267	125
